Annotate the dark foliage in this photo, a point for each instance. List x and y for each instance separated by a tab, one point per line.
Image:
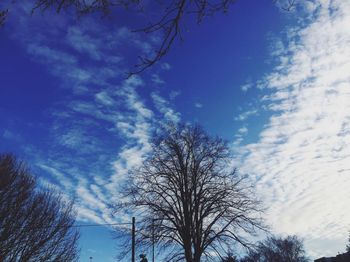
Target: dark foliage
230	258
188	198
3	15
35	225
277	249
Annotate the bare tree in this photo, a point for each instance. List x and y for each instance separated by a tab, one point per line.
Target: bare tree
347	249
187	198
277	249
169	23
35	225
3	15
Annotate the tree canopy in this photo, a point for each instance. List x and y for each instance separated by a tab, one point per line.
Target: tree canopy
188	199
35	225
277	249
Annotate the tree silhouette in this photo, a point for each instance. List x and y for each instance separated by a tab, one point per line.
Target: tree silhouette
35	225
230	258
277	249
188	199
3	14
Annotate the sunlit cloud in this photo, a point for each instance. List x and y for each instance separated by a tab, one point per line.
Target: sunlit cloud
300	162
246	114
164	107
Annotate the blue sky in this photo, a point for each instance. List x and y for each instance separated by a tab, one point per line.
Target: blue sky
276	85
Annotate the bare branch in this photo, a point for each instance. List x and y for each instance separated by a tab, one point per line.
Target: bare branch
3	16
34	225
187	199
275	248
169	23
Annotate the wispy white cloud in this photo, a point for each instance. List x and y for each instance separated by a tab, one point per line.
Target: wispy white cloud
87	215
173	94
46	54
165	66
301	161
61	179
246	114
163	107
198	105
7	134
137	128
157	80
239	136
83	43
247	86
102	127
243	130
104	98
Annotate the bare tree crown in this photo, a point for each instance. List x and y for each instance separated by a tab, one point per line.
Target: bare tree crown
35	225
276	249
189	199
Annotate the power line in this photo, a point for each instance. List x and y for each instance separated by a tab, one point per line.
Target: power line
100	225
86	225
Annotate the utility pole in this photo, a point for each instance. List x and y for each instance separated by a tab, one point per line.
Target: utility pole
133	240
153	240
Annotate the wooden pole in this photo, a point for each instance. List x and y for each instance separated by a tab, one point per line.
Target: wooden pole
153	240
133	241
